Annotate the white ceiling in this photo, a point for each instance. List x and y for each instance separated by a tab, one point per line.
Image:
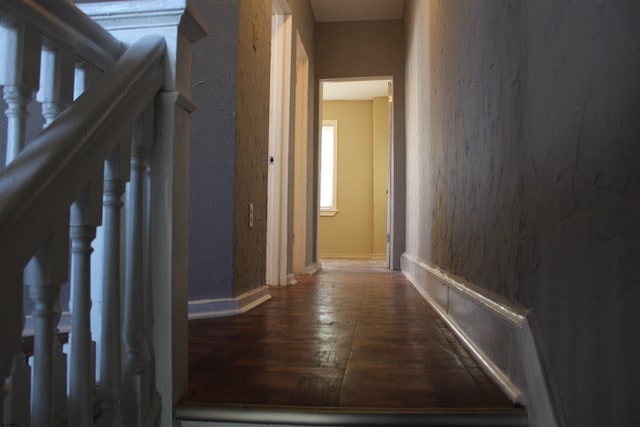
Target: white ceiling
356	10
354	90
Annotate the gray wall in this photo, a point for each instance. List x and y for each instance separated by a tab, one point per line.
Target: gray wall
579	259
213	154
229	142
523	143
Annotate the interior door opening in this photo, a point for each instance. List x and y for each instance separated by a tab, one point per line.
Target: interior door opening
355	134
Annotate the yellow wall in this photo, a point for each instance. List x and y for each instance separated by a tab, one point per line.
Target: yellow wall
356	231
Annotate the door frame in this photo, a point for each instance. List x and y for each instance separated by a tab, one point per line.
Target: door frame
390	250
278	169
301	167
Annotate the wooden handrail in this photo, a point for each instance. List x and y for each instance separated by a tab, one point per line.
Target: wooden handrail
51	172
53	19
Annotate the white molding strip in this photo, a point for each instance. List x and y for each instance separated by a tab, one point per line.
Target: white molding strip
313	268
291	279
497	334
224	307
332	255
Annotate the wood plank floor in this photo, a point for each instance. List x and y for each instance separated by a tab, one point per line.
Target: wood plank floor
355	335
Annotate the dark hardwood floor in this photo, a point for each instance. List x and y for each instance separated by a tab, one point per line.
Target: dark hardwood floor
355	335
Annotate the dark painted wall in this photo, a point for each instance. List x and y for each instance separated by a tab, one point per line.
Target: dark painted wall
523	176
212	167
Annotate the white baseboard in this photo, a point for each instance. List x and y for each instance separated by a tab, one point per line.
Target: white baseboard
291	279
496	334
223	307
345	256
313	268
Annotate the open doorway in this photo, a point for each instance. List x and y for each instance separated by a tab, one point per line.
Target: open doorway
290	178
354	151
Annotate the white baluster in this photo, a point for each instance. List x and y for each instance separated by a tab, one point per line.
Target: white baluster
85	217
45	273
136	384
19	67
154	399
56	81
111	346
55	94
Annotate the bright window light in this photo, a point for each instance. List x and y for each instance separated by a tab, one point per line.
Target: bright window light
328	165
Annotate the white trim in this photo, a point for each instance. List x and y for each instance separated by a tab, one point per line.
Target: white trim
278	169
328	212
300	161
497	334
224	307
332	255
291	279
313	268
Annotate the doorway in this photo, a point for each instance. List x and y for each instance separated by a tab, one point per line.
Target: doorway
355	140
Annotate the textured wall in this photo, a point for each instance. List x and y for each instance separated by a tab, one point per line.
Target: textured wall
578	262
212	165
523	142
366	49
349	232
252	143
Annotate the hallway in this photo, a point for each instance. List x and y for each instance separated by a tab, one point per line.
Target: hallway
354	336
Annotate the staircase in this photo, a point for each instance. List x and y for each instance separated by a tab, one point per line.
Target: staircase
83	208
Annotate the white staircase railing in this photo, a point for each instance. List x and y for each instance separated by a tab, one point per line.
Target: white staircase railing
115	119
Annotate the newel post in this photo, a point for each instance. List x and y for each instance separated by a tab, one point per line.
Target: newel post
168	159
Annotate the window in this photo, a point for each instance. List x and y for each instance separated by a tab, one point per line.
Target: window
328	167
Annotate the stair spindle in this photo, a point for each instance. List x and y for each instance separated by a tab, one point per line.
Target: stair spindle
136	378
115	174
55	94
56	81
85	217
45	274
19	67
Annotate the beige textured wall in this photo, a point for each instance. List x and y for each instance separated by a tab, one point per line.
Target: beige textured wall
380	175
252	139
367	49
349	232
